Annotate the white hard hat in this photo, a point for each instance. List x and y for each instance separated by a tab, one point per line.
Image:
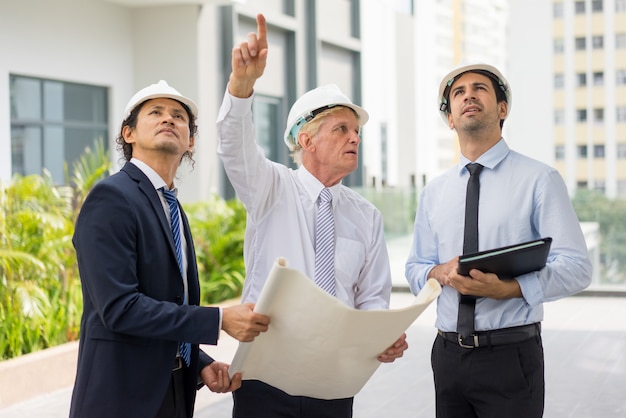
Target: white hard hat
313	102
159	90
448	80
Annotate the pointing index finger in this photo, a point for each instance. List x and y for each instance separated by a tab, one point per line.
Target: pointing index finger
261	30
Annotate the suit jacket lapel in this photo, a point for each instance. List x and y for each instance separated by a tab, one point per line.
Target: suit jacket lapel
147	188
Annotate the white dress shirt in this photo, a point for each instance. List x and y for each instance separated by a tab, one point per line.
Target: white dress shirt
281	207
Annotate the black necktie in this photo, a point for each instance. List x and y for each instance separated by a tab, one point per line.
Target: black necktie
465	321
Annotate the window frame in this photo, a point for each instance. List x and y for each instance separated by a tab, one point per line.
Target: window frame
52	122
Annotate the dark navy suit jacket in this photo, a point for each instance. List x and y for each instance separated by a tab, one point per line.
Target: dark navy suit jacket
133	314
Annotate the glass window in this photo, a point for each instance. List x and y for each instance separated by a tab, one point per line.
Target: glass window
597	6
581	115
579	7
559	152
620	6
620	77
581	79
598	78
557	10
620	114
266	111
559	81
559	117
581	151
52	122
598	115
620	41
558	45
621	150
580	43
597	42
598	151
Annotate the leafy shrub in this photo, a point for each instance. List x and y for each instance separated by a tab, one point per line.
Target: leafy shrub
38	272
218	229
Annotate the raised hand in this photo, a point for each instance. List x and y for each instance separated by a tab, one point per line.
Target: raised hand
248	61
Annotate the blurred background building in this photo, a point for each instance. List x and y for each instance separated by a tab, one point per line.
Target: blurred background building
69	66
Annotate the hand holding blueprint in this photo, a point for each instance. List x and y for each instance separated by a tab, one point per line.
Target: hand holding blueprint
316	345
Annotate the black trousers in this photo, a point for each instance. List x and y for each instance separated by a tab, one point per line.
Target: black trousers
173	405
489	382
255	399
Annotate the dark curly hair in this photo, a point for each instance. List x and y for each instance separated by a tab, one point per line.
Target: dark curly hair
126	149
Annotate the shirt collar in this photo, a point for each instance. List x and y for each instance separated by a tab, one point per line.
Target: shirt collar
313	186
489	159
152	175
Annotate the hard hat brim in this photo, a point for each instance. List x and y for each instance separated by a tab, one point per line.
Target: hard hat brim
158	91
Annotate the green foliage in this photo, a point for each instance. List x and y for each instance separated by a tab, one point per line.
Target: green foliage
40	298
36	264
610	214
218	229
92	167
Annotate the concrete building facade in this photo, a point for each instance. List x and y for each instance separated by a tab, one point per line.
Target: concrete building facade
69	67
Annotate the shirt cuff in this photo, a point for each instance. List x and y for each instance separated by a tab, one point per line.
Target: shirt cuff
531	288
240	106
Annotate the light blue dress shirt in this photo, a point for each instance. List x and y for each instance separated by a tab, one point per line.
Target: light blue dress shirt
521	199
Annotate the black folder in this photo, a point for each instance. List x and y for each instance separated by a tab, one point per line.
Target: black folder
510	261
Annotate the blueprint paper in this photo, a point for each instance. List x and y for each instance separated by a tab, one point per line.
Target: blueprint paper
316	345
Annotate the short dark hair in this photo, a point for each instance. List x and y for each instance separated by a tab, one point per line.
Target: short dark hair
126	149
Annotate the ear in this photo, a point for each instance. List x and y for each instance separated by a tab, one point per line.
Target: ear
504	109
192	143
450	123
306	141
127	133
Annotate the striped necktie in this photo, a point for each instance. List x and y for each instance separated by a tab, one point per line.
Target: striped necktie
170	198
325	243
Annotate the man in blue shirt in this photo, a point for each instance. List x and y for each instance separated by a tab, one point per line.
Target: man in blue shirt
495	369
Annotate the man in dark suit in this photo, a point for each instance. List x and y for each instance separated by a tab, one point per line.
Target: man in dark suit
140	279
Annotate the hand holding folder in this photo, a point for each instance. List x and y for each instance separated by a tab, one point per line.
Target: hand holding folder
510	261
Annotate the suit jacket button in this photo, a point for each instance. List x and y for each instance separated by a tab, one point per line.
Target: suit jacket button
179	300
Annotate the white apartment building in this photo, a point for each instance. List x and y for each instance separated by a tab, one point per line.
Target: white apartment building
572	68
589	84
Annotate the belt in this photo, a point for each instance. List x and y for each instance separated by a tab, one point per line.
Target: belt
178	363
501	336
